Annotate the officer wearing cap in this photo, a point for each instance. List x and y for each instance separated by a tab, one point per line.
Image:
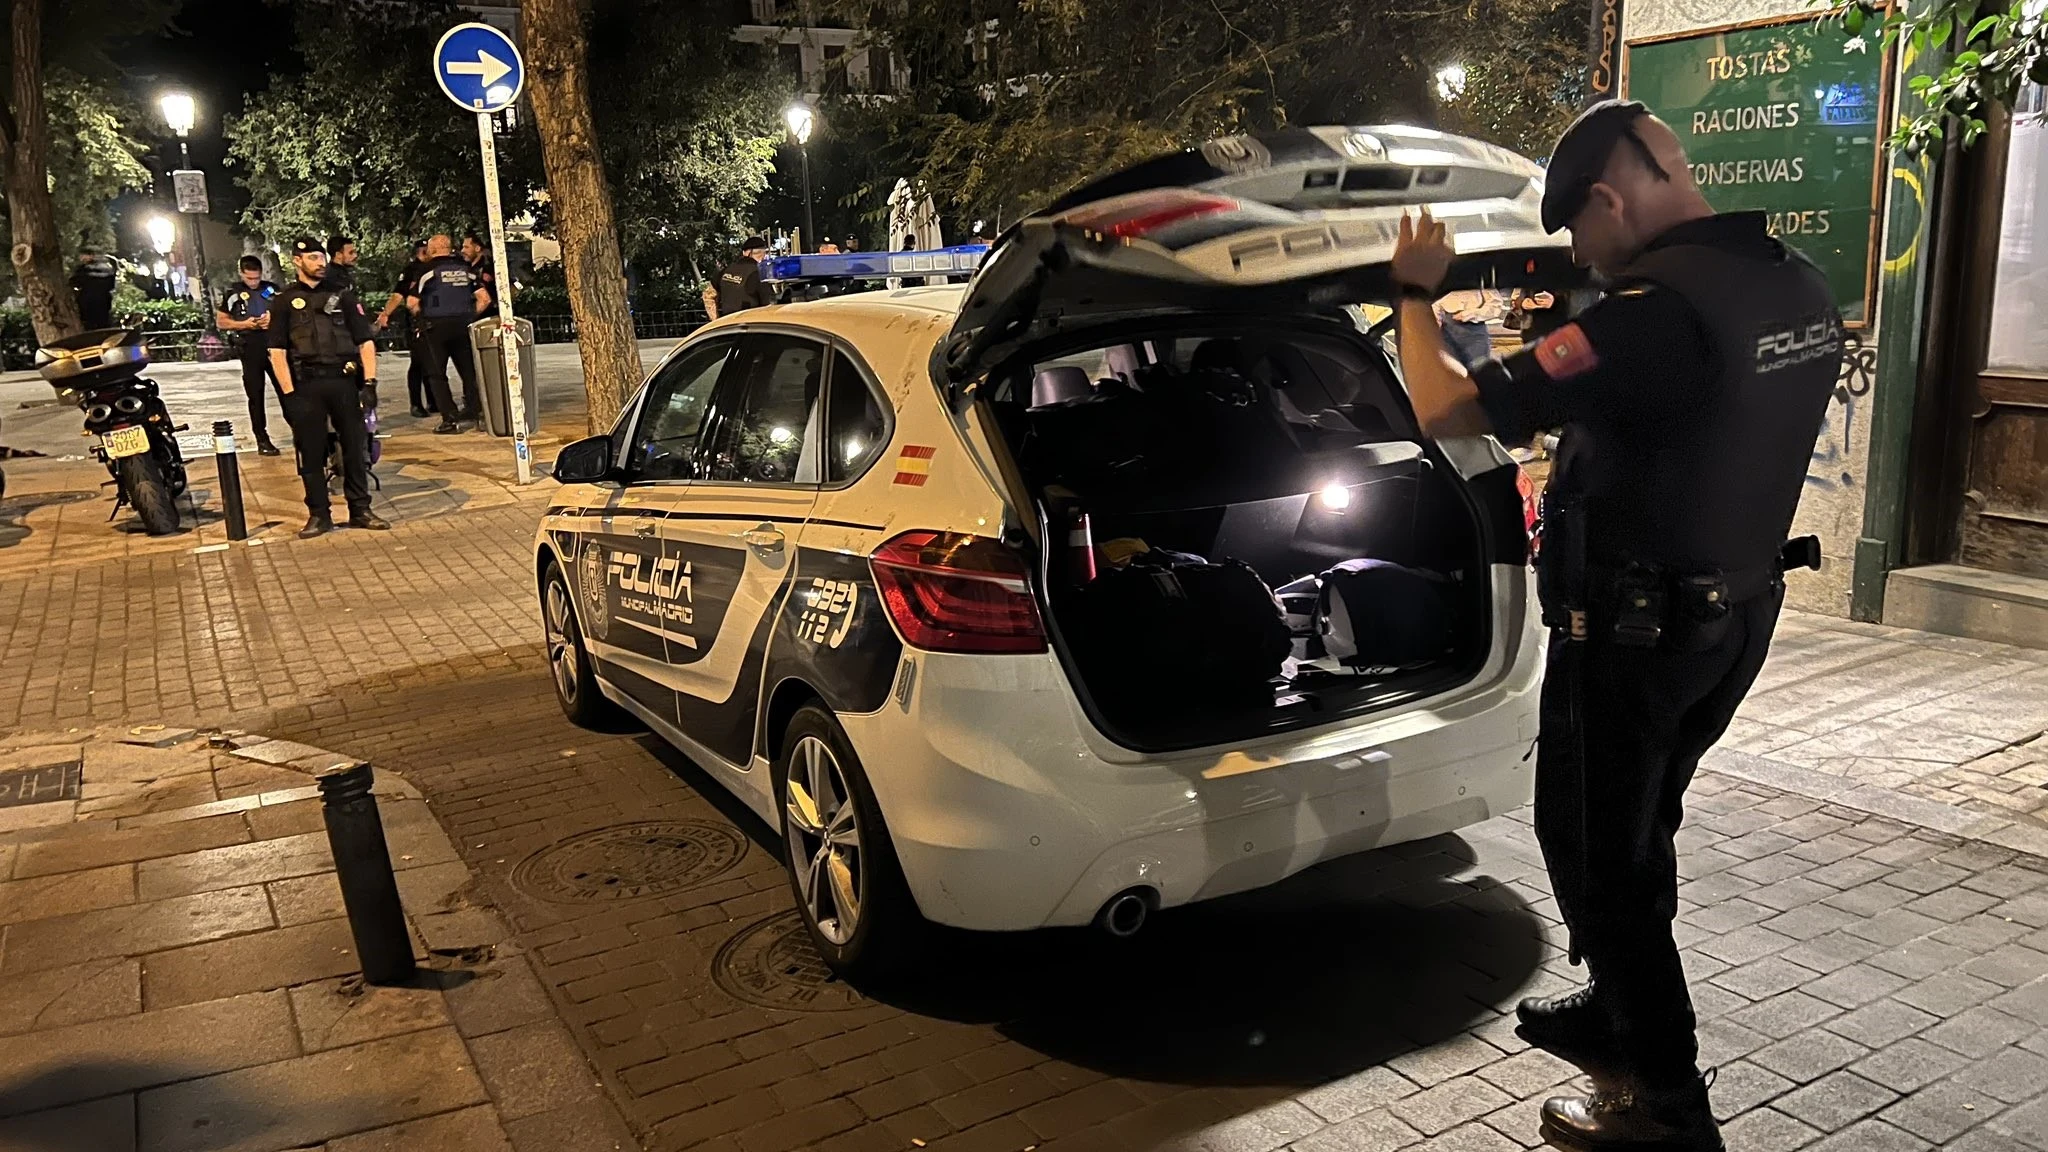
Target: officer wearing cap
446	297
739	283
322	352
416	356
243	315
1690	397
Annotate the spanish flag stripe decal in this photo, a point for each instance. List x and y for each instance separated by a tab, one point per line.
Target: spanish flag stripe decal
914	464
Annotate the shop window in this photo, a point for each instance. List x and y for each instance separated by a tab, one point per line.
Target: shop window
2019	341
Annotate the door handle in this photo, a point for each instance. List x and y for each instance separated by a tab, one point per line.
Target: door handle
766	537
644	529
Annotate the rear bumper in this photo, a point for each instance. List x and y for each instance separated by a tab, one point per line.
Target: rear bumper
1008	811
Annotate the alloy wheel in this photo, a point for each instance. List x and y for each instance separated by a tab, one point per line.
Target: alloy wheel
561	635
824	840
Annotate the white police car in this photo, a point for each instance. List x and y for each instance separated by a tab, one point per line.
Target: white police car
952	585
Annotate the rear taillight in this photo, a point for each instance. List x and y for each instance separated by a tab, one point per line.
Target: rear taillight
1145	212
950	592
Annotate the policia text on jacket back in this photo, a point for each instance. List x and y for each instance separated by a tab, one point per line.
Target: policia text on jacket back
1690	398
448	295
321	349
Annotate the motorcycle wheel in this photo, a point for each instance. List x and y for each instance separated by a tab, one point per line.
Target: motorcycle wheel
142	478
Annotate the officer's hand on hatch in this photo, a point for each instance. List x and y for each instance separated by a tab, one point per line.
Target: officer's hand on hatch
1422	254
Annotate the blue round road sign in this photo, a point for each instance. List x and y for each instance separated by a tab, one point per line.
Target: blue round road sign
479	67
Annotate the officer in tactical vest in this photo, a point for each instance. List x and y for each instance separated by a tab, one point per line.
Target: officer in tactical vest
1690	397
321	349
244	314
447	296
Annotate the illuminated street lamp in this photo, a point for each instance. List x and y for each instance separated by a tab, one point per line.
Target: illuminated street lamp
162	234
1450	82
180	114
802	118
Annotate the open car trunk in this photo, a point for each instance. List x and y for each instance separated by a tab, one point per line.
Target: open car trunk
1194	430
1243	531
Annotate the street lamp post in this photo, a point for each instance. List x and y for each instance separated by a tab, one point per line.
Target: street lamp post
801	118
180	114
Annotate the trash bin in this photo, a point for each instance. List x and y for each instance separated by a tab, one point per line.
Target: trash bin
490	367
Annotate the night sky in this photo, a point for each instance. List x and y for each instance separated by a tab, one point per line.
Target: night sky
223	52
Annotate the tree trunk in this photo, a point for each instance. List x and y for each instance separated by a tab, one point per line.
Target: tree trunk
557	63
38	254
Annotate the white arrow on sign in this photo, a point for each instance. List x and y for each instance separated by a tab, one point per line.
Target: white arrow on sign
487	67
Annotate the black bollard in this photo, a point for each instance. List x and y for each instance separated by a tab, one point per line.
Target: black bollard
355	834
229	469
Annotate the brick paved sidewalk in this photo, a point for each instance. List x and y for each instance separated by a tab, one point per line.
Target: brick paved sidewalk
1867	982
176	971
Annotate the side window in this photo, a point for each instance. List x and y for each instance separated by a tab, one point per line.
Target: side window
673	414
855	427
765	431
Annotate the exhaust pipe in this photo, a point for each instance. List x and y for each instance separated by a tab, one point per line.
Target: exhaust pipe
1126	912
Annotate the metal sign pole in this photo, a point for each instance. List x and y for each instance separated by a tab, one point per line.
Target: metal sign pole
508	336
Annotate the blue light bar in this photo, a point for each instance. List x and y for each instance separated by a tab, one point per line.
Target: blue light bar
956	260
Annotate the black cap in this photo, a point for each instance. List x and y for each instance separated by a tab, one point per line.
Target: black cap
753	242
306	244
1581	156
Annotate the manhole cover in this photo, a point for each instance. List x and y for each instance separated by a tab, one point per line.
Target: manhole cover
629	861
771	963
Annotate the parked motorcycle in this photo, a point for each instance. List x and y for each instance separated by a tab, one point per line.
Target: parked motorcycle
101	371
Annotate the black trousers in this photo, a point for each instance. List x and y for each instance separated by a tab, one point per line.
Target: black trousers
1610	795
320	398
255	370
446	338
416	389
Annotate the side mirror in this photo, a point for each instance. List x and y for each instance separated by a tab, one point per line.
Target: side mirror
585	461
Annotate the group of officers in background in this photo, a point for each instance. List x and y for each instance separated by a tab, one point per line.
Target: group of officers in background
442	290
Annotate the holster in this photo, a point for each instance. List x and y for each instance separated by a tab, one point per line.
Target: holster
1561	568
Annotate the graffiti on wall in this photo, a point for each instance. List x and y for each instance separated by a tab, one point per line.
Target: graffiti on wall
1831	468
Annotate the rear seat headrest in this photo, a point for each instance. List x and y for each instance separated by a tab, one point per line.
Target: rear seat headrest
1060	386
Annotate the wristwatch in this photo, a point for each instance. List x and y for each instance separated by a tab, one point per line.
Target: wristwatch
1418	292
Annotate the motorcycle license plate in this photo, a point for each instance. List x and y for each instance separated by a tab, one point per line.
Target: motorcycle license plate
127	442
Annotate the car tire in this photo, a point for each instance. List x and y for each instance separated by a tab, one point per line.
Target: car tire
569	663
822	789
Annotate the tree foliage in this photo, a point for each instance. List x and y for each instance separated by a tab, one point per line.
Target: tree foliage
1013	101
1997	47
688	124
361	143
95	154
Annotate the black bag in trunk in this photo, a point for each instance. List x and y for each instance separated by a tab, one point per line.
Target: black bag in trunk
1176	631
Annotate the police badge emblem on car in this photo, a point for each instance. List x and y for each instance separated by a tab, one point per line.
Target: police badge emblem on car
590	585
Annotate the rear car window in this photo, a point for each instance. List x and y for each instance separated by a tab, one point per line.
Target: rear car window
856	427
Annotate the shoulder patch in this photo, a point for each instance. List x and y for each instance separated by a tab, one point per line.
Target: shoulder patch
1566	353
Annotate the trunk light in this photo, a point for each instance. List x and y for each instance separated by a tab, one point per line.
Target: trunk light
1335	497
951	592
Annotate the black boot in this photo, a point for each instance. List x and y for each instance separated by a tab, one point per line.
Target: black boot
447	428
316	526
264	447
370	520
1572	1027
1665	1120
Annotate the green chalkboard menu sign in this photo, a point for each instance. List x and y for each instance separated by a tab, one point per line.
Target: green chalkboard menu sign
1783	117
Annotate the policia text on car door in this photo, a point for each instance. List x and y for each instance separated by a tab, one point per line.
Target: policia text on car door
1690	399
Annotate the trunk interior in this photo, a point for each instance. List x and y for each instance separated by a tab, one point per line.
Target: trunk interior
1172	464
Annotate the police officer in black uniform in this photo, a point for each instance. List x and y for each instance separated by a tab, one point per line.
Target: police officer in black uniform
321	349
416	357
1690	398
446	298
243	315
478	255
341	262
739	283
